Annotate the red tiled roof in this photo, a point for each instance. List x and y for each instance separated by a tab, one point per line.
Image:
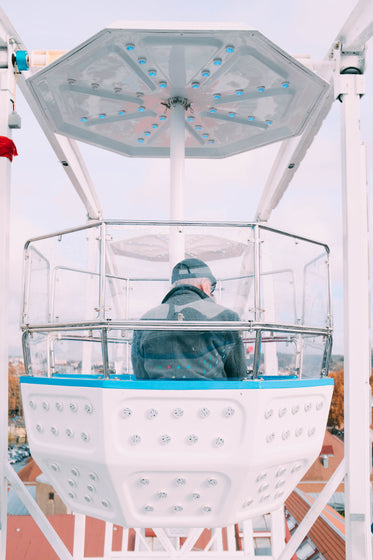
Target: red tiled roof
324	534
317	471
327	450
25	540
30	471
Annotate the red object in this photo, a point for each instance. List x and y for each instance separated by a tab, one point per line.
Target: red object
7	148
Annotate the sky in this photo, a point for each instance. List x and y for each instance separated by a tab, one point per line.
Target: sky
43	200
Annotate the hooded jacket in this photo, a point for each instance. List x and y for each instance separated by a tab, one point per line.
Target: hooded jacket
188	354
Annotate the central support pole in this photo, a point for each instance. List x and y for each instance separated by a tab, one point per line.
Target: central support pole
177	157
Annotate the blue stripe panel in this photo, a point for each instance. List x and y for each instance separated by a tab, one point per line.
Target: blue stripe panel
176	385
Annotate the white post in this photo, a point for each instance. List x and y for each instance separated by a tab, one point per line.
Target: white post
6	75
278	531
177	157
356	323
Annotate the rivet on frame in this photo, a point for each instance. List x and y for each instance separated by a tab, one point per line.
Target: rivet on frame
229	411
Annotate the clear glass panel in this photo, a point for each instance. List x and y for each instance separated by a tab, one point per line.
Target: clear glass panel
37	290
294	280
138	265
262	546
314	349
64	278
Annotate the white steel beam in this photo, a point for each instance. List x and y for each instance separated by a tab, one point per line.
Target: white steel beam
44	525
299	535
66	150
358	28
5	110
357	367
289	157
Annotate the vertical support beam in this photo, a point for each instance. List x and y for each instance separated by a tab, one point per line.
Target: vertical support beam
278	531
177	159
6	76
79	536
356	323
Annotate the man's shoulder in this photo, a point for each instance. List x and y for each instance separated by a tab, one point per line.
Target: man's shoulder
218	312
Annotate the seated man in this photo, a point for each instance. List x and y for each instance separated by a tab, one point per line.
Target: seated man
176	354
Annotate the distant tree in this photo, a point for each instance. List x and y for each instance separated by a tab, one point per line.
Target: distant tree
14	391
336	412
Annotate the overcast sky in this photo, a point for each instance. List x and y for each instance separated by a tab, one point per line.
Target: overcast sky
43	199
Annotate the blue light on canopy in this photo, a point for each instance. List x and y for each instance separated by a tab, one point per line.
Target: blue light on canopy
120	61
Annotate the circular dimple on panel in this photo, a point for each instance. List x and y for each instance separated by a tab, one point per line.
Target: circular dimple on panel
282	412
88	499
307	407
69	433
212	482
268	413
219	442
278	495
59	406
93	476
162	495
71	483
177	412
196	496
178	508
280	471
84	436
299	431
72	495
135	439
261	476
204	412
311	431
296	468
39	428
263	487
54	467
45	405
180	481
106	503
270	437
164	439
88	408
126	413
265	498
285	434
247	503
148	509
295	409
207	509
32	404
91	488
319	405
192	439
151	413
144	481
54	430
75	471
73	407
229	411
280	483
